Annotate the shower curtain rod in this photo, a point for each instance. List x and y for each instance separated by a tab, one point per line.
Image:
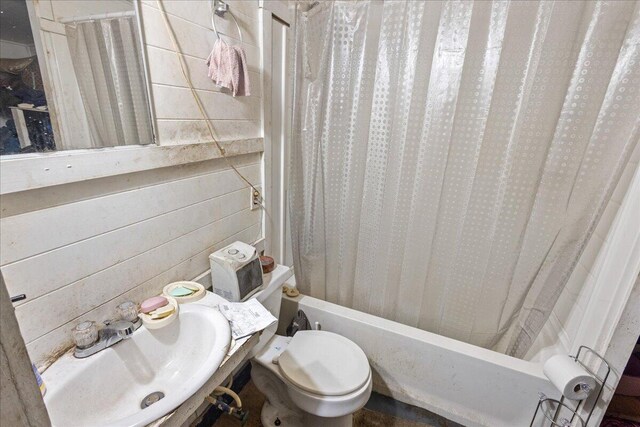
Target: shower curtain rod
97	17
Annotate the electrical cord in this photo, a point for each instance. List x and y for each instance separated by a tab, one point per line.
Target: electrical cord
183	68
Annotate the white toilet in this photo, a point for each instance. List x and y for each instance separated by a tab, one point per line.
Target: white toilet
315	378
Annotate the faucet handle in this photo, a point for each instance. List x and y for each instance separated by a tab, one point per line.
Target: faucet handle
85	334
128	310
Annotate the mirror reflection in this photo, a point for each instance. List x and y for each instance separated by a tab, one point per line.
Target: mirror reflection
71	76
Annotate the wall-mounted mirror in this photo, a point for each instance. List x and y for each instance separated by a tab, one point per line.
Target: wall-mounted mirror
72	76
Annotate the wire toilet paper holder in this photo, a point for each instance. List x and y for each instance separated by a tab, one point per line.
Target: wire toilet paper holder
553	415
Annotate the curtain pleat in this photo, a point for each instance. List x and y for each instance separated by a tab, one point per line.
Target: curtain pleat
107	62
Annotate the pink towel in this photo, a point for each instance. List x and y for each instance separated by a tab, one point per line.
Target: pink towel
219	65
228	68
244	86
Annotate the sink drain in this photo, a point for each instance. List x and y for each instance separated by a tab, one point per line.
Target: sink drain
151	399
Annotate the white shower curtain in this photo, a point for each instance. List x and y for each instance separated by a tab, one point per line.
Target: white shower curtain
107	61
451	159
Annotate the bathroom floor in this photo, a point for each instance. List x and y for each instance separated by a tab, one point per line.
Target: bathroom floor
252	400
623	411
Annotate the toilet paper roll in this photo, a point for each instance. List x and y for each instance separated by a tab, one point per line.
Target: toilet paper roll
573	381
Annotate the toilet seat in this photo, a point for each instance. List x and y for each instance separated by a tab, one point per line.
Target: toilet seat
325	364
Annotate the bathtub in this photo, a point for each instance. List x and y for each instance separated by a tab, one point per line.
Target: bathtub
459	381
478	387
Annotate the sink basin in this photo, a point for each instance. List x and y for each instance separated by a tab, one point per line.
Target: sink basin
108	388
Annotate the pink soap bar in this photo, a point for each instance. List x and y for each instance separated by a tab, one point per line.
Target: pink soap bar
153	303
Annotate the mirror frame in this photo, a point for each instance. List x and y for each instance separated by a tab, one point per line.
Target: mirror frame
137	6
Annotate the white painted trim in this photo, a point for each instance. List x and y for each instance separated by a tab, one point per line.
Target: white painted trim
23	172
287	258
266	23
36	28
276	123
52	27
97	17
144	52
279	9
616	277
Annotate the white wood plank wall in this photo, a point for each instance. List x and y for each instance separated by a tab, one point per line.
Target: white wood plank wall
78	250
85	247
178	119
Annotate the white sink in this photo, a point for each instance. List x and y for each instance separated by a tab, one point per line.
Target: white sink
107	388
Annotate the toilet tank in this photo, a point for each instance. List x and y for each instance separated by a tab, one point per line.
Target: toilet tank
271	297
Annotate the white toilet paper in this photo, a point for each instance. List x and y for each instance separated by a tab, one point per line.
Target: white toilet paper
569	377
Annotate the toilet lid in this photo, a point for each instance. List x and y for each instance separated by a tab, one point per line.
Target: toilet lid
324	363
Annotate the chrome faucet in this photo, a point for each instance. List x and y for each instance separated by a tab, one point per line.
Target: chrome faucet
112	333
117	331
90	341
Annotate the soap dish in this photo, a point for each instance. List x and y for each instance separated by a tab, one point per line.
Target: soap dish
198	294
165	321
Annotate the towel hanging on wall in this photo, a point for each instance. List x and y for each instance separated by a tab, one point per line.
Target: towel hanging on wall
228	68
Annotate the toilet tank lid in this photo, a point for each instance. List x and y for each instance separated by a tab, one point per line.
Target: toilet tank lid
324	363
